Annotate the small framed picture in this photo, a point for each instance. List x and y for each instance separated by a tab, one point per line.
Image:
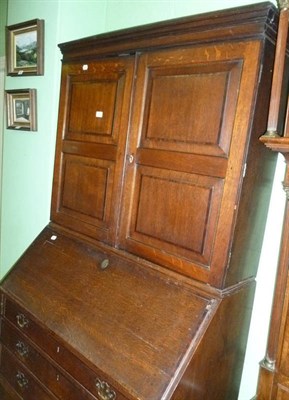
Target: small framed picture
25	48
21	109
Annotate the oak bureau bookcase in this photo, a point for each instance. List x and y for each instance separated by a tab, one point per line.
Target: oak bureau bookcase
141	286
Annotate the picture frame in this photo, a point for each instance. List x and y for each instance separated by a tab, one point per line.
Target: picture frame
25	48
21	109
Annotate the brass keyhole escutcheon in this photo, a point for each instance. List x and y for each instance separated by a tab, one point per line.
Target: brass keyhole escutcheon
104	263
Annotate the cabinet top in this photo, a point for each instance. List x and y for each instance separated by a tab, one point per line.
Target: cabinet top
257	20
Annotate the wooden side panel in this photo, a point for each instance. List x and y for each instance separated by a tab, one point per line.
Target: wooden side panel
93	119
189	133
216	368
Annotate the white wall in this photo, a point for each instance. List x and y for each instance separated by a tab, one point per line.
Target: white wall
256	346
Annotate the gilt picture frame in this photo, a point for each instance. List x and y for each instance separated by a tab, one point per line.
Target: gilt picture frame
25	48
21	109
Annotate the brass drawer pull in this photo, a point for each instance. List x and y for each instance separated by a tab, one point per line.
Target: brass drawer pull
104	391
21	380
22	349
22	321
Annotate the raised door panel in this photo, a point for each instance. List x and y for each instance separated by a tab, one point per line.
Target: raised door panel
176	100
162	191
92	108
93	120
190	128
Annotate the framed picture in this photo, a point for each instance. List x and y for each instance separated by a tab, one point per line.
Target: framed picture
21	109
25	48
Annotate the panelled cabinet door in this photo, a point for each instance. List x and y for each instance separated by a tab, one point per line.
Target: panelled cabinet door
190	124
93	118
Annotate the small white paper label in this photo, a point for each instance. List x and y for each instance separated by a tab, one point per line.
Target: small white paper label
99	114
53	237
85	67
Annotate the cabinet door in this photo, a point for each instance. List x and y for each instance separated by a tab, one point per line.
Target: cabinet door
92	127
189	133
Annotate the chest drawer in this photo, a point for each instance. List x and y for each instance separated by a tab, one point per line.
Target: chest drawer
21	379
94	381
7	392
38	364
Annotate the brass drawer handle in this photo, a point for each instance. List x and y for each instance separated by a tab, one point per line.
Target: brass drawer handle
104	391
22	321
22	349
21	380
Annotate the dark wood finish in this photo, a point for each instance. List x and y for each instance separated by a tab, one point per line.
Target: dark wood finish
133	306
199	160
141	287
278	74
21	379
212	368
283	393
51	376
193	200
197	221
87	185
7	392
236	23
144	313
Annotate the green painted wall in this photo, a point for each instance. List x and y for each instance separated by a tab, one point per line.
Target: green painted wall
28	157
3	16
3	21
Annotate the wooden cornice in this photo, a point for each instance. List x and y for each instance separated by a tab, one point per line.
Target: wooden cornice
241	22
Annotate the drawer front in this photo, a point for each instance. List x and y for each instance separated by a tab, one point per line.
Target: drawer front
47	373
20	379
7	392
93	380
